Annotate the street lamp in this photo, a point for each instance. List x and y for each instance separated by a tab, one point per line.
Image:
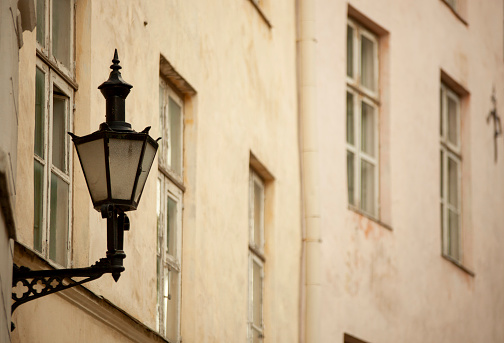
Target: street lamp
116	161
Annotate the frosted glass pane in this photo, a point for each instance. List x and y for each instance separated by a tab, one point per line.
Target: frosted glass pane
258	214
171	226
58	239
453	183
41	22
368	129
59	132
257	294
350	128
453	234
92	155
350	51
175	143
367	63
368	187
351	177
452	122
61	31
171	313
124	156
39	112
38	205
149	154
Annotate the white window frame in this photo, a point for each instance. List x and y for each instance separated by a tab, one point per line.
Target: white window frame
361	94
256	254
451	151
171	185
52	79
46	50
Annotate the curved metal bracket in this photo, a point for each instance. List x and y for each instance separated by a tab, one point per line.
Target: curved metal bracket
40	283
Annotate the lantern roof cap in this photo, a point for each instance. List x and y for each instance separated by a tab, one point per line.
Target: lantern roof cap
115	79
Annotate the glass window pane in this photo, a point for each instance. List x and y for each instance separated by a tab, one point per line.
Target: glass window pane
367	63
124	156
59	132
257	294
175	143
351	177
171	313
92	156
39	112
368	187
441	101
41	22
368	129
58	239
453	182
61	31
350	33
258	215
171	226
38	205
452	121
149	154
350	130
453	234
441	164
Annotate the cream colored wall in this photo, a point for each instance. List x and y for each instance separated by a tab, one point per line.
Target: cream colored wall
384	285
244	75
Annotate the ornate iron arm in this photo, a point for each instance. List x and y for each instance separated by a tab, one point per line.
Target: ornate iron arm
44	282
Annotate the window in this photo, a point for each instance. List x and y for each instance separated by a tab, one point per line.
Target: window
450	169
169	211
53	119
362	119
256	258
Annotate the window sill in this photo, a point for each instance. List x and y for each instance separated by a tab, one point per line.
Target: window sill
455	13
54	67
261	13
364	214
459	265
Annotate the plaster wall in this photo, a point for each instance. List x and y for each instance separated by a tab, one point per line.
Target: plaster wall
244	74
389	283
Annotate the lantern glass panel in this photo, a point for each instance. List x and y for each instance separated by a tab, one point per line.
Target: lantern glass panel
124	157
92	156
150	152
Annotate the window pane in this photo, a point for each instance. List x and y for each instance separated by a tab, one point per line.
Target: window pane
59	220
61	31
257	294
175	120
171	226
367	63
38	205
351	177
59	132
39	112
124	156
453	234
368	129
350	33
452	122
258	218
441	101
171	313
368	187
41	22
452	182
441	164
350	118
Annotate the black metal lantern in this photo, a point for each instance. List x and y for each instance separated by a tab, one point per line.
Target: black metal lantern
115	159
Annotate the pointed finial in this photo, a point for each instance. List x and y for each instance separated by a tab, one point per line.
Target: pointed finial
115	61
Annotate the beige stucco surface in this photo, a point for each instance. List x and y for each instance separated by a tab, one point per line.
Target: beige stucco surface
244	74
385	284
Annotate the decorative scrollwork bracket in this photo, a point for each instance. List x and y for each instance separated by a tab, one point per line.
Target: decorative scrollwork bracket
30	284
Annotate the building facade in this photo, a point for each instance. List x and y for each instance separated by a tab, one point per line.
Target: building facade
327	171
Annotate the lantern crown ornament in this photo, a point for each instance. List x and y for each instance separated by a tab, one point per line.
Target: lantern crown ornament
116	159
